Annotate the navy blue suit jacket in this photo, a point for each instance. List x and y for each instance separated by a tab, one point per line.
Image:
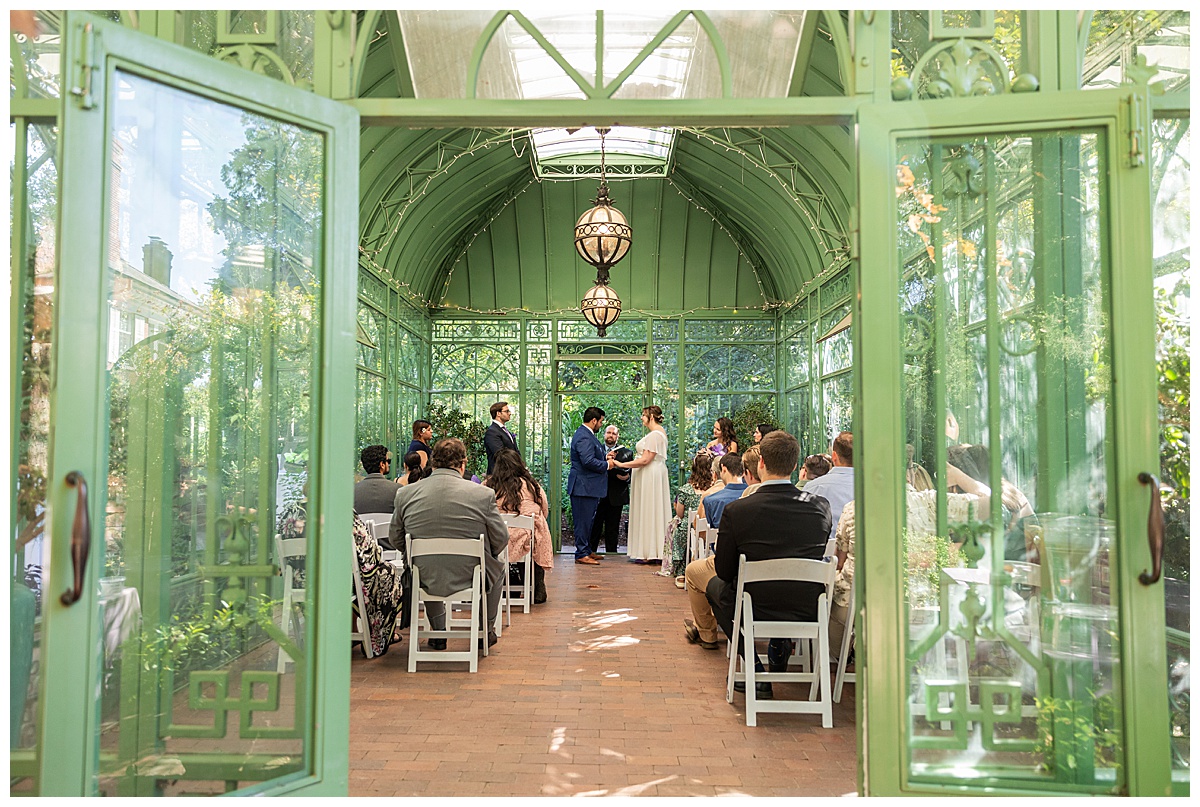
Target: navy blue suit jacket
589	465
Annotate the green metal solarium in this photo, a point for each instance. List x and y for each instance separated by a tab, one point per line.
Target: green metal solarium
245	244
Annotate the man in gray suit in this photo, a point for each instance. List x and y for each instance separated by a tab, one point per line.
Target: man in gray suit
445	505
375	493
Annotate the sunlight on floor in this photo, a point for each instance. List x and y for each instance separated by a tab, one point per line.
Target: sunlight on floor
603	643
601	620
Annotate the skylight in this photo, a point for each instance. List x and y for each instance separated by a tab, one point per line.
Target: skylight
629	151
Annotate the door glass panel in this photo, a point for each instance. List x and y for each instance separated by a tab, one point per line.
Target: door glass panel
1012	632
1172	297
35	264
215	244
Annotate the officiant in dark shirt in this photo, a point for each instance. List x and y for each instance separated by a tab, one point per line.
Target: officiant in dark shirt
608	514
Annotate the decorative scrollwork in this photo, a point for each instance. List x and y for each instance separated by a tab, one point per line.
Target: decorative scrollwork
965	176
961	68
257	59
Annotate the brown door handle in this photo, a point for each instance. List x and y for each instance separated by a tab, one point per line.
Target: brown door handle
1154	530
81	538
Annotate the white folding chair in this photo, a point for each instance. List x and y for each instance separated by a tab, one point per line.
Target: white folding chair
689	552
706	537
292	594
847	640
378	523
362	626
525	592
475	595
800	570
802	653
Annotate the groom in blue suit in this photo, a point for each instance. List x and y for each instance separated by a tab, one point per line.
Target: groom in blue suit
588	482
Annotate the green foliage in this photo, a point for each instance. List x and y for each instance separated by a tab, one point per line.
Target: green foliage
199	642
925	557
747	417
450	422
1174	408
1060	720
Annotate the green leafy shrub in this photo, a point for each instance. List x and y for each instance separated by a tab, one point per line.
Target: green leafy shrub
747	417
450	422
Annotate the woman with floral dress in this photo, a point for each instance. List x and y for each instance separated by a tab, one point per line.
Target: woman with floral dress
382	591
687	498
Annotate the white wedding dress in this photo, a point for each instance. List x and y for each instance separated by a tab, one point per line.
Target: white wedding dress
649	500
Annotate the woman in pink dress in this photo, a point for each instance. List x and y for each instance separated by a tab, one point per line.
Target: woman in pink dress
518	492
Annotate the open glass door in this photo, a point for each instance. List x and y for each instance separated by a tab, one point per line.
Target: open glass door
203	340
1007	346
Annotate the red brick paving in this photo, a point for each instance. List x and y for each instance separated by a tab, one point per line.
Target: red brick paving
596	692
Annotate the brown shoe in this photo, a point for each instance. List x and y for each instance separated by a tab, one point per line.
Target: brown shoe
587	559
594	556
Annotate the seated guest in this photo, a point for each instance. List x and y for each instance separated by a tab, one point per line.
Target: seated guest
837	486
375	493
413	472
382	591
518	492
445	505
815	465
775	522
750	471
712	504
687	498
422	432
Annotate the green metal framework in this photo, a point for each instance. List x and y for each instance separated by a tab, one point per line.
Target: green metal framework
777	175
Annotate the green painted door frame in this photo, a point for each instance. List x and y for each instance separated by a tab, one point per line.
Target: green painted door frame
880	422
71	662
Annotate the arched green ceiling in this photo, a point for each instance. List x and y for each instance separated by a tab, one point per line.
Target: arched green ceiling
434	202
681	259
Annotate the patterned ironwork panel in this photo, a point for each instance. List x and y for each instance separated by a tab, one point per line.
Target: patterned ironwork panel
728	330
1013	638
730	367
539	330
836	290
372	289
477	330
666	330
625	330
476	367
276	44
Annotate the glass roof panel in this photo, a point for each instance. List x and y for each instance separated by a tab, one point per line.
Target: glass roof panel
761	48
629	151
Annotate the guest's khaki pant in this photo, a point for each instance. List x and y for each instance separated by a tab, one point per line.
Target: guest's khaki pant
696	577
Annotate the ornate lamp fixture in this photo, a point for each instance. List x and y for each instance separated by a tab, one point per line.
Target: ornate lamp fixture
602	238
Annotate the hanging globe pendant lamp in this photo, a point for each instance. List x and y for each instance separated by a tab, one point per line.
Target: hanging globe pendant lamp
602	238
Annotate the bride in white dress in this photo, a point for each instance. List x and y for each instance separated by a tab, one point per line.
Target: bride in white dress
650	494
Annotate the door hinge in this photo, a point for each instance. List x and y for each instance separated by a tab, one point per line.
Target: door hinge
1137	131
86	66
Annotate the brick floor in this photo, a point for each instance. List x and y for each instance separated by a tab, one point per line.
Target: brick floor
596	692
